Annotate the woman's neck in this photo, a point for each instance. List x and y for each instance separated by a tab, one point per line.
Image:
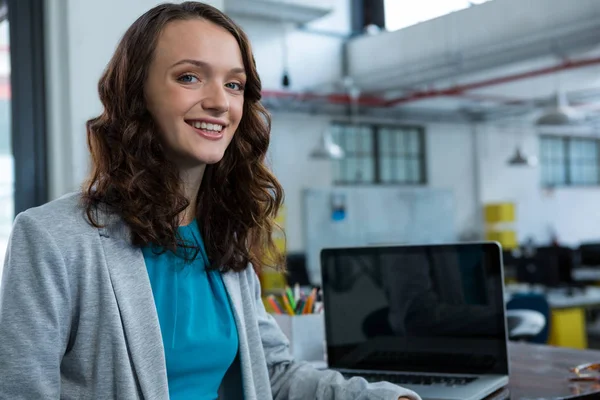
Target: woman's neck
191	180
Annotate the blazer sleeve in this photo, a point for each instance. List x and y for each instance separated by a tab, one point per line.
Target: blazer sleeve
34	313
299	380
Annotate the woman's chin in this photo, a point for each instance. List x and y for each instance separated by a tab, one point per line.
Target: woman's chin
210	159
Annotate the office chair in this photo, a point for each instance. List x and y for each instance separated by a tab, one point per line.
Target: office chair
534	302
524	325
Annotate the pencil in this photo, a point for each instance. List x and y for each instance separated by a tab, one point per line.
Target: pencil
300	306
274	305
287	305
290	297
308	308
297	295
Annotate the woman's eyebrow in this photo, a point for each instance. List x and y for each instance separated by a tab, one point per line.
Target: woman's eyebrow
203	64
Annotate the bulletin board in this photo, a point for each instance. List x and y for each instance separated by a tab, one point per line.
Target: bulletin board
365	216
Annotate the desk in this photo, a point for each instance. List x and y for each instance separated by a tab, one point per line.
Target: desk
541	372
588	297
559	298
586	274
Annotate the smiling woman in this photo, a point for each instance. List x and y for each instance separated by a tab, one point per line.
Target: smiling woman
143	285
203	90
185	71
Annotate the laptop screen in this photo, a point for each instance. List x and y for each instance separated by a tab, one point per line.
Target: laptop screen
415	308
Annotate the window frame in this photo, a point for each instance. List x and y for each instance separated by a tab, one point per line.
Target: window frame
568	161
28	103
365	13
375	132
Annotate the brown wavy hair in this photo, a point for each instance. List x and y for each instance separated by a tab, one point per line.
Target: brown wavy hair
238	198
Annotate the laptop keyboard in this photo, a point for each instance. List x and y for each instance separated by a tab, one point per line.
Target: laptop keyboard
393	358
406	379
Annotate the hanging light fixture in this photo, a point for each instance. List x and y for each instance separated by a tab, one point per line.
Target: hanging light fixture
520	159
327	149
559	113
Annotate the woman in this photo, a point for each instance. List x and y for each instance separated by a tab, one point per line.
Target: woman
140	285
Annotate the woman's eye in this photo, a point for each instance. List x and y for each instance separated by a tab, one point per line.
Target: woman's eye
187	78
235	86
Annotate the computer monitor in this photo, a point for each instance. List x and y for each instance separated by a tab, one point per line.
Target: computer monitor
590	254
296	269
550	266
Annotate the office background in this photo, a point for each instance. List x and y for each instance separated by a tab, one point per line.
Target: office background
436	96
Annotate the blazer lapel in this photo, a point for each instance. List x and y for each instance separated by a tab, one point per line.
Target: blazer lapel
232	284
133	293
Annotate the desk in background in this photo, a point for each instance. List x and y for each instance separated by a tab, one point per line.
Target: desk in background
586	274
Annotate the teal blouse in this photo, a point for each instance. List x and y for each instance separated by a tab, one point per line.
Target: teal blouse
196	320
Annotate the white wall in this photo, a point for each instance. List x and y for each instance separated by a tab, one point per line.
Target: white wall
313	59
573	213
449	165
450	158
294	136
81	36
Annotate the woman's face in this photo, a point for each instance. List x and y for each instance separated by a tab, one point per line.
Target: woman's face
195	91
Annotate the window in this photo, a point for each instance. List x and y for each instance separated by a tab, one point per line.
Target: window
400	14
570	161
379	154
23	181
6	154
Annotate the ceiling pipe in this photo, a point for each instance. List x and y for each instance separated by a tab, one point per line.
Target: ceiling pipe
457	90
335	98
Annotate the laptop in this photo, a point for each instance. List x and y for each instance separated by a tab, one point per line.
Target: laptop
428	318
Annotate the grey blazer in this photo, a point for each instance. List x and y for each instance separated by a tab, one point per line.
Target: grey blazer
78	321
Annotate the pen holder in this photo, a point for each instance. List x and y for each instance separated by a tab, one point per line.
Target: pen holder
306	334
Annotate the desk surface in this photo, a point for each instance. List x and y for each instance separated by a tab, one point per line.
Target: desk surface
558	298
542	372
588	297
586	274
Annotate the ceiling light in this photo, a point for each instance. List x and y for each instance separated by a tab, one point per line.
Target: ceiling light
519	159
559	114
327	149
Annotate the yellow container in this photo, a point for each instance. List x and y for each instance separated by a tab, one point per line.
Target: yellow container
499	213
567	328
271	280
507	238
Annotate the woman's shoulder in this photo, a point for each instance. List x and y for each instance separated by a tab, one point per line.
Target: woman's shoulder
64	216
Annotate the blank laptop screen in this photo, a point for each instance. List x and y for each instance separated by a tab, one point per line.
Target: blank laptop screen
415	308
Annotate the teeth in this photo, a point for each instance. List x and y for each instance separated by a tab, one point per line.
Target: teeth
207	127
